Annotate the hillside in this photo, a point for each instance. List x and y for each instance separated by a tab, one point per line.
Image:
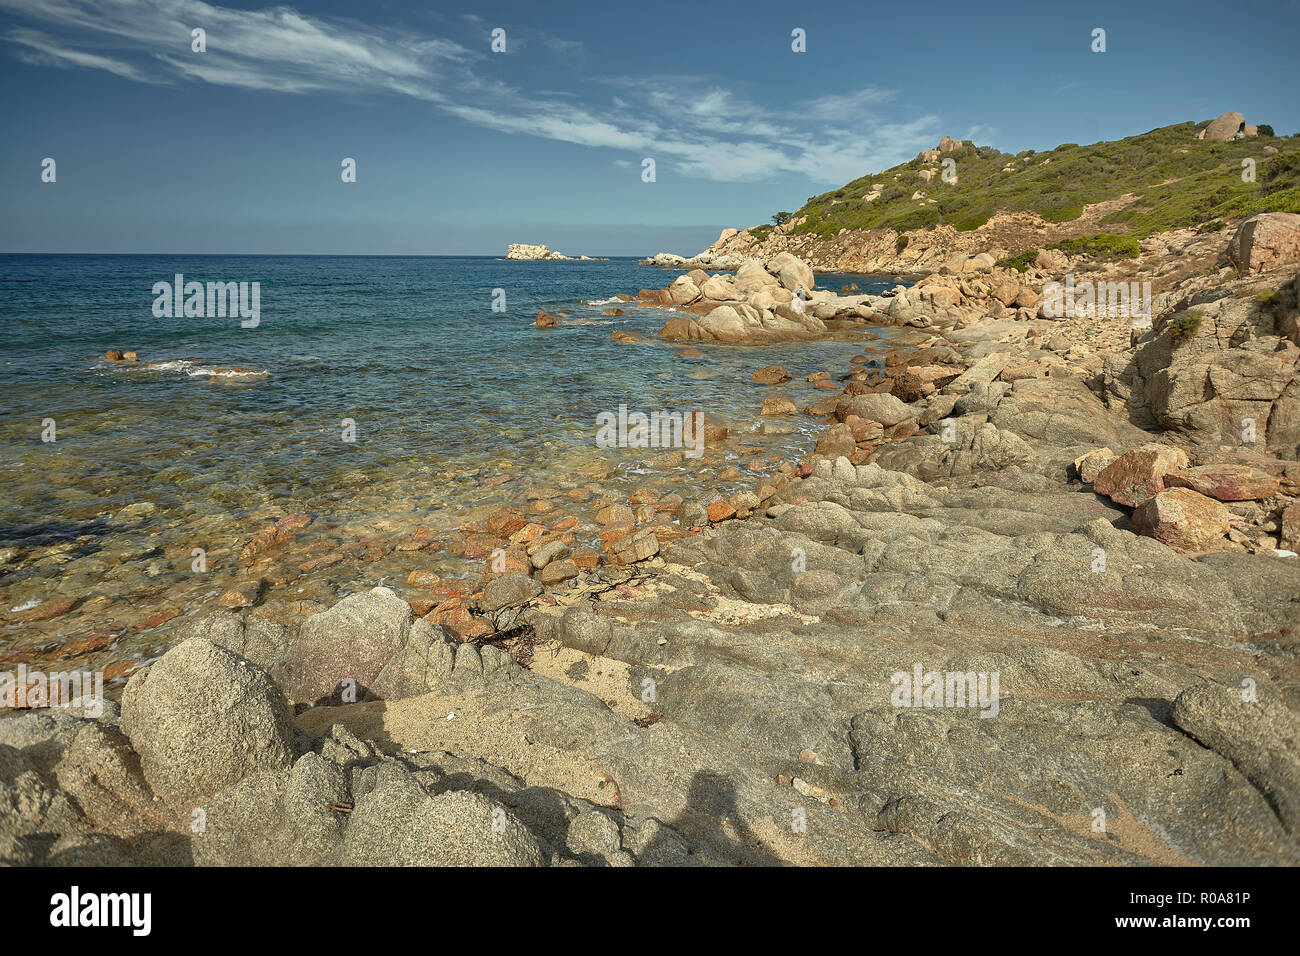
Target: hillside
908	216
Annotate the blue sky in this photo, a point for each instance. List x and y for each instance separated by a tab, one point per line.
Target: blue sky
462	150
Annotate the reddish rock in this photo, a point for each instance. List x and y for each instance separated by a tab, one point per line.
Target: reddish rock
837	441
615	514
87	645
634	547
1267	241
421	606
423	579
325	560
244	594
505	522
272	537
1289	533
612	532
529	532
545	320
156	620
452	588
482	547
721	511
1137	475
46	610
1183	519
1225	482
778	405
120	669
566	523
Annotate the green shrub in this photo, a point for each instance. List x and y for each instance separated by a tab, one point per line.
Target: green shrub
1020	262
1265	129
1184	326
901	244
1106	245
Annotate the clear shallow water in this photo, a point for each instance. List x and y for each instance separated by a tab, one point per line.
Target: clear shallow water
444	393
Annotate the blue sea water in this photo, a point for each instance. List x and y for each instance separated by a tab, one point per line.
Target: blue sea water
441	388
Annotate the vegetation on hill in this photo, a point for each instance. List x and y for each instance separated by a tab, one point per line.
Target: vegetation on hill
1179	181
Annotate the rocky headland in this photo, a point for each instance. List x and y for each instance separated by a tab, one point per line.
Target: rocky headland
1099	512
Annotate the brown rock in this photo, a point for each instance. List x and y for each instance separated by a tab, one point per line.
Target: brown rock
557	571
720	511
634	547
1289	534
615	514
1139	474
771	375
1089	466
1225	482
324	561
505	522
120	669
156	620
1006	291
272	537
778	405
241	595
545	320
423	579
1183	519
1266	241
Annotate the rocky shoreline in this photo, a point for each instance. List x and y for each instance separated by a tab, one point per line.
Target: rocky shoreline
1061	502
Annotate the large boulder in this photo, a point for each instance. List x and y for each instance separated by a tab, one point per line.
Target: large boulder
1226	482
1139	474
1183	519
792	271
1264	242
1233	380
875	407
399	824
352	641
1225	127
720	289
682	291
202	718
751	277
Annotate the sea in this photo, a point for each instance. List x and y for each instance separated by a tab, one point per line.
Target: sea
376	394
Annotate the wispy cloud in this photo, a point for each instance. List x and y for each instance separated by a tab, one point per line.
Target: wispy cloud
702	127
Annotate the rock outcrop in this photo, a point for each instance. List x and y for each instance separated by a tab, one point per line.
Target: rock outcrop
521	250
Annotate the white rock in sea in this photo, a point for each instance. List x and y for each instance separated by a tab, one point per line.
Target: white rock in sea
521	250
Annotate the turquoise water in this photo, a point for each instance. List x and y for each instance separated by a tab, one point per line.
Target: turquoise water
442	390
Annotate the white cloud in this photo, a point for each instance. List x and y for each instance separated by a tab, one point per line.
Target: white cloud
700	126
